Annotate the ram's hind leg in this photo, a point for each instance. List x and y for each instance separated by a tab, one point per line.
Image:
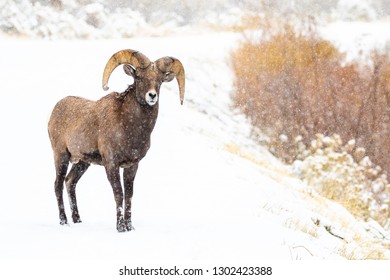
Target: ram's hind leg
71	180
61	165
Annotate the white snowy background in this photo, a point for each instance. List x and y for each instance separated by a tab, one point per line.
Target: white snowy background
205	192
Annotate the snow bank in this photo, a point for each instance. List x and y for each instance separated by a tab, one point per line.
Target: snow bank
92	21
106	19
109	20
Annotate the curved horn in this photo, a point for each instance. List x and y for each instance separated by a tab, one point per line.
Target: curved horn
173	65
134	58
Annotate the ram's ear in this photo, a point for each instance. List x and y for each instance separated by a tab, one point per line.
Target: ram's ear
168	76
129	70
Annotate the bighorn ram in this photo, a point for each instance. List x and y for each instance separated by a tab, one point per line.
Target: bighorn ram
113	131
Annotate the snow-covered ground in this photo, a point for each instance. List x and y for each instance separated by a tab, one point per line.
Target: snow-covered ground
204	193
358	38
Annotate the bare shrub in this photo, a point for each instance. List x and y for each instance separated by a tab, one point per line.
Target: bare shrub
294	85
297	84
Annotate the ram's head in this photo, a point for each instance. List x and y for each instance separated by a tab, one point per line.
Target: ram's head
148	76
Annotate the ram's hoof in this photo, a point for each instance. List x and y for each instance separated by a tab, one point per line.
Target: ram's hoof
129	227
121	227
76	219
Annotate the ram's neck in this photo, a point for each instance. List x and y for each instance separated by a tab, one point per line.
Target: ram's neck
141	118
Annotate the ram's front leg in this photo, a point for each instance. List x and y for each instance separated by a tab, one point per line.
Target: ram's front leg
114	179
128	180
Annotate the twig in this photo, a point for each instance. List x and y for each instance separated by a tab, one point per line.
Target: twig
329	229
